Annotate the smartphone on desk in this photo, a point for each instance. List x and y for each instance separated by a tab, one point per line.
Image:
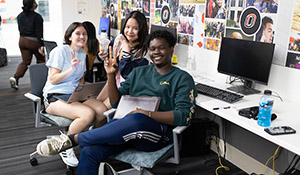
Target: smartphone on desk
279	130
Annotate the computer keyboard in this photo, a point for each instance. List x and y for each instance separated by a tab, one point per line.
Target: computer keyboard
217	93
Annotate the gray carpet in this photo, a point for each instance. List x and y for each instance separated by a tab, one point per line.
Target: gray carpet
19	137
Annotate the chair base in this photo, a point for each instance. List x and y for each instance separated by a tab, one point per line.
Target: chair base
34	162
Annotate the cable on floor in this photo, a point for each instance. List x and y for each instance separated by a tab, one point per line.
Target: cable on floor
219	158
269	160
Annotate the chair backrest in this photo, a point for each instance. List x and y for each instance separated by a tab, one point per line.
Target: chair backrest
49	45
38	76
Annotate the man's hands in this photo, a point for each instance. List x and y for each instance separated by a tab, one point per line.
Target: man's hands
139	110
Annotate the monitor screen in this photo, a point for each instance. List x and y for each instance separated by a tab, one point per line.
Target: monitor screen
248	60
104	24
156	27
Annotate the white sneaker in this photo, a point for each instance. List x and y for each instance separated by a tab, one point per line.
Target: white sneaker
54	145
69	158
13	83
91	127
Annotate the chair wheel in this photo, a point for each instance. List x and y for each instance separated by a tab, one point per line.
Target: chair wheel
34	162
70	171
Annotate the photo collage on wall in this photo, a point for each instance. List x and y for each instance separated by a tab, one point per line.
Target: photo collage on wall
203	23
293	54
251	19
187	16
117	10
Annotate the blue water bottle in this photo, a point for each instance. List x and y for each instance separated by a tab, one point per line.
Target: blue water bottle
265	108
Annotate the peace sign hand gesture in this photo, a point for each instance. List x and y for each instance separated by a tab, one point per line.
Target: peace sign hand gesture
75	61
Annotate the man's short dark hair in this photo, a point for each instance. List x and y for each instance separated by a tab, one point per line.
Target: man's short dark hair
168	36
266	20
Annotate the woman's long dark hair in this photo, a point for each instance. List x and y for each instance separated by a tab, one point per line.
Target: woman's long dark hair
27	5
92	42
143	32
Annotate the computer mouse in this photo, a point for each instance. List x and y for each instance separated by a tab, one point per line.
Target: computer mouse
254	111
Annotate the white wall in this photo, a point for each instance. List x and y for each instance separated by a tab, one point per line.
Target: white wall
283	80
62	13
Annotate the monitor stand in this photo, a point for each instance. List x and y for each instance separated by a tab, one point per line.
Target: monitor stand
243	90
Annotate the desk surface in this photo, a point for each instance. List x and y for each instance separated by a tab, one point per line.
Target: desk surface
287	114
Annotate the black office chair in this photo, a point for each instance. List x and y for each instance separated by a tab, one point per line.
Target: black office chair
49	45
38	77
97	73
141	161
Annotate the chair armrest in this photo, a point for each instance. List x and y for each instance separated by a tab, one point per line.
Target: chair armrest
109	114
179	129
32	97
36	108
176	144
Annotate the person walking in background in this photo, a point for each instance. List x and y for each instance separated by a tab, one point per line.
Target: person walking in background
30	25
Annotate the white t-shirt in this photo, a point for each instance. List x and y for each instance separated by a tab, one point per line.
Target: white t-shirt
60	58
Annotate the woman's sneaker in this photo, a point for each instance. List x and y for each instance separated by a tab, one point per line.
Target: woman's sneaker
53	146
69	157
13	83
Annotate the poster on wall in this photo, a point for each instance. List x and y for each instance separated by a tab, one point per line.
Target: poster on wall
105	8
214	23
110	9
165	13
293	56
191	22
82	7
113	15
125	8
146	8
248	19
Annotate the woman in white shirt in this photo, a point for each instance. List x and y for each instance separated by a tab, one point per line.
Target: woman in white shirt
67	66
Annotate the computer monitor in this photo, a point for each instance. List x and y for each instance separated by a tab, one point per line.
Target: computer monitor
156	27
247	60
104	24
